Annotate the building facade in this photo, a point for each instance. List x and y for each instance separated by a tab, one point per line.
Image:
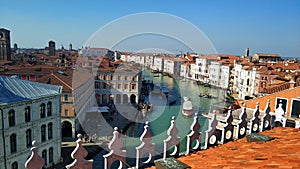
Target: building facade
29	113
5	44
118	85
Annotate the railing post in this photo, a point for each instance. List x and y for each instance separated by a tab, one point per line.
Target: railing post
254	122
194	135
211	139
241	126
172	139
145	147
265	119
34	161
115	153
78	154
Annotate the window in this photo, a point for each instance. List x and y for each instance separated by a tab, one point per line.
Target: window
28	138
119	77
11	117
66	97
49	109
133	86
43	133
66	112
125	77
14	165
27	114
50	155
44	156
50	135
13	143
42	110
126	86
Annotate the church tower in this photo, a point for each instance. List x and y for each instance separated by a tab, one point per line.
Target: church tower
4	44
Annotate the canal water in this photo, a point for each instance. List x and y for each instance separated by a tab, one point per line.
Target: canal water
159	119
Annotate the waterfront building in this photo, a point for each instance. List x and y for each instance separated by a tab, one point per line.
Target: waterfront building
29	111
201	69
244	79
214	70
185	70
120	85
172	65
225	77
149	61
158	63
5	44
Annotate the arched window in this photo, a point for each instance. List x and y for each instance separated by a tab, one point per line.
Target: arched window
44	156
14	165
27	114
13	143
43	133
50	155
11	118
50	133
49	109
28	138
42	110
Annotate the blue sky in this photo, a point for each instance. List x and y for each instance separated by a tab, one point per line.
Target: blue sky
271	26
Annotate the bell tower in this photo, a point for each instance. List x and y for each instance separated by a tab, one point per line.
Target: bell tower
4	44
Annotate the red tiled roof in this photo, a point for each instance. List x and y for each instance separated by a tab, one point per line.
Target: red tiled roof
283	152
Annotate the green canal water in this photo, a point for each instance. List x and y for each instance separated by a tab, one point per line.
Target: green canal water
159	119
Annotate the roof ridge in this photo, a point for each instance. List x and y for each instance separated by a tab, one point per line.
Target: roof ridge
61	81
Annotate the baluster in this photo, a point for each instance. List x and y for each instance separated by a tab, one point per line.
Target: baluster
194	135
78	154
145	148
253	126
34	161
265	119
116	153
172	139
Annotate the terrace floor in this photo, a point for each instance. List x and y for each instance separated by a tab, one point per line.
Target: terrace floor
282	152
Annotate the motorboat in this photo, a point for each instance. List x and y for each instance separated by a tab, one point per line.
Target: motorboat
187	107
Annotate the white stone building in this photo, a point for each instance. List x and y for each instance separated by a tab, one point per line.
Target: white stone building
201	69
214	73
244	80
172	65
225	77
158	63
29	111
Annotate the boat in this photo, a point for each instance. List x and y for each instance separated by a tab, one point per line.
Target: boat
165	74
187	107
206	85
208	96
155	71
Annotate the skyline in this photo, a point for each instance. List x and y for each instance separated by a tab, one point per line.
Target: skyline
231	26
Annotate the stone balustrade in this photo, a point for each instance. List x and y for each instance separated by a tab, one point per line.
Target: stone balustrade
221	129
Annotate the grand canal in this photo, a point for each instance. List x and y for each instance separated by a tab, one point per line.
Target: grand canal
159	119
